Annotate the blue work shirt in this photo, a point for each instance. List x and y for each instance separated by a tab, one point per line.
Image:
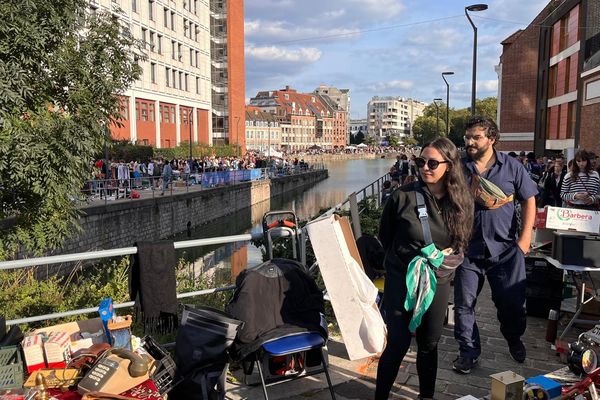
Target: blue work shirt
496	230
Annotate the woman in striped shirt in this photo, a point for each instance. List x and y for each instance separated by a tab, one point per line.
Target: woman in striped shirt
581	186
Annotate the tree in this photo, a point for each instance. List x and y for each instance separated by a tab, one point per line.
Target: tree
370	140
61	71
425	129
393	140
359	138
487	107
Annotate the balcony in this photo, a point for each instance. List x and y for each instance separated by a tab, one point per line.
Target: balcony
218	14
219	63
219	87
220	38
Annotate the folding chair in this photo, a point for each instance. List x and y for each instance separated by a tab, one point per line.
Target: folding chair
297	348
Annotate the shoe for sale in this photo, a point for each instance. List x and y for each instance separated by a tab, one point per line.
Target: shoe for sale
517	351
464	364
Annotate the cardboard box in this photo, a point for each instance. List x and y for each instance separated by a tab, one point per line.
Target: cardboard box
335	249
572	219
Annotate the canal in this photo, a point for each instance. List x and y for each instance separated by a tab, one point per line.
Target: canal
345	176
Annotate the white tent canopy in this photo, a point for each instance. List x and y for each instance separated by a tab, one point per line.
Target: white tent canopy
362	145
272	153
350	147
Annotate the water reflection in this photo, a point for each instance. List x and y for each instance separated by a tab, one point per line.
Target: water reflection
224	262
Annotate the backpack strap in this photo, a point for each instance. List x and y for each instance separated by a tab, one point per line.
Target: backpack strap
423	216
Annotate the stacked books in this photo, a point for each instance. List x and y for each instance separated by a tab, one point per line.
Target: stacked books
33	350
58	349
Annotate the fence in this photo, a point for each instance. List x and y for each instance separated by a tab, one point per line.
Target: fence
351	202
98	190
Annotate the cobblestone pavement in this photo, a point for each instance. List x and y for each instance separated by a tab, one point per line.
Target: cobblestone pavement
356	380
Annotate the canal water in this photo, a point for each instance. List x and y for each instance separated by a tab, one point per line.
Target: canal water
345	177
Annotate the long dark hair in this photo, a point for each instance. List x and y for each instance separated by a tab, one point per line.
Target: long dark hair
581	155
459	218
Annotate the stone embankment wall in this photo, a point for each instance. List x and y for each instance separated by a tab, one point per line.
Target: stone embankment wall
317	158
122	224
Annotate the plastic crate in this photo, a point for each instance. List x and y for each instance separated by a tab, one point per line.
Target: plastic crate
11	376
10	355
164	375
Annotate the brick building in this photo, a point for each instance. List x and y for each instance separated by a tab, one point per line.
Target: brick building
517	86
305	119
262	130
192	85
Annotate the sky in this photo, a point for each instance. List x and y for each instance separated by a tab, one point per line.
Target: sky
378	47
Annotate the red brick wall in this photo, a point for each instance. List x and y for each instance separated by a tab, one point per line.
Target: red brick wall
122	132
590	121
203	126
573	24
236	72
573	73
516	146
146	122
564	120
168	131
519	83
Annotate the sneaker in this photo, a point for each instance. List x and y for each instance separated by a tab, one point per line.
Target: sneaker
464	364
517	351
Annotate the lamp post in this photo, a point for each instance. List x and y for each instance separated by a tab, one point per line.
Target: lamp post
437	116
269	141
474	8
444	74
191	123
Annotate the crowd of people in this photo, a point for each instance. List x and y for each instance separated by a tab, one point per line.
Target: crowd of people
465	218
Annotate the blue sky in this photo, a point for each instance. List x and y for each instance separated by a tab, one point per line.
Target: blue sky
378	47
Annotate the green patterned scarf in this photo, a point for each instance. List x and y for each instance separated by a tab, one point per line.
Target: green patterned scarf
421	283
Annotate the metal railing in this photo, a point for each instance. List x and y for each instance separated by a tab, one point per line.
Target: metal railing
352	202
105	190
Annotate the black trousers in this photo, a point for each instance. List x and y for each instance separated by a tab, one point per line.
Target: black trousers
398	341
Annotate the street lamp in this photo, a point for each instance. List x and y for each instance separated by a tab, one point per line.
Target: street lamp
190	123
437	116
444	74
474	8
269	140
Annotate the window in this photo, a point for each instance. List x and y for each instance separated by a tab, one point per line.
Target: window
153	72
151	9
175	79
567	74
137	110
197	30
152	34
552	81
165	113
166	16
185	27
167	76
134	6
151	111
197	85
159	40
144	111
180	80
571	121
186	82
179	51
144	31
191	57
196	58
195	6
172	114
173	20
173	49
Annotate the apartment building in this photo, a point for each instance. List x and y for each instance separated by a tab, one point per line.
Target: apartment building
358	125
305	121
192	83
262	130
393	115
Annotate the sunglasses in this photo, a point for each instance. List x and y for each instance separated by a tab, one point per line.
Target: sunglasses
432	164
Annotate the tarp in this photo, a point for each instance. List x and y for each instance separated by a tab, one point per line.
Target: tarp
210	179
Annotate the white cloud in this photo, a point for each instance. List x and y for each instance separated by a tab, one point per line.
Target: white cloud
263	31
281	54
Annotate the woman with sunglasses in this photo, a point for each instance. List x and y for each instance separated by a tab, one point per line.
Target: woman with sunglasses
449	205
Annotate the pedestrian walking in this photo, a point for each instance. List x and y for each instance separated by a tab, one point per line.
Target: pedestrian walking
424	229
496	250
167	173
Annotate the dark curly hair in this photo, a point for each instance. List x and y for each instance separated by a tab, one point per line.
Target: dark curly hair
459	218
481	121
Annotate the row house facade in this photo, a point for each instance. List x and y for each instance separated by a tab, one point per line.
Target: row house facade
306	119
192	82
263	131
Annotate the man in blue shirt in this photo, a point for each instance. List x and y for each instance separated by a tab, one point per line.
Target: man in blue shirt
496	250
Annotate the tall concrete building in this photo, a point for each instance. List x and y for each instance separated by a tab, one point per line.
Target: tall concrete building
192	85
340	97
393	116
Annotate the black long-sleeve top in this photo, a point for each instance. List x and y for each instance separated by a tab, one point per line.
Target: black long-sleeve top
401	235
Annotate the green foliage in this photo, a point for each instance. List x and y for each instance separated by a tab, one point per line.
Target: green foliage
182	151
358	138
409	141
127	151
393	140
370	140
425	129
61	70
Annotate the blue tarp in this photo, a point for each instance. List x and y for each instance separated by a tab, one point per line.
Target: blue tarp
210	179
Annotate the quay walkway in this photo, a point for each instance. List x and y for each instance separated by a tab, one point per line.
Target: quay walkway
355	380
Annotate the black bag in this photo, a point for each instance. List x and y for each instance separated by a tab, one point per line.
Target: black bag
201	356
